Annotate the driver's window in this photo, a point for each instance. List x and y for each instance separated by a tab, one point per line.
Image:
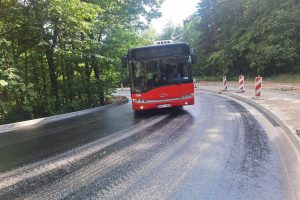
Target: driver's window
184	70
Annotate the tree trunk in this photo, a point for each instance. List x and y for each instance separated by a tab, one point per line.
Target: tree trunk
45	96
88	83
95	66
26	69
53	75
70	73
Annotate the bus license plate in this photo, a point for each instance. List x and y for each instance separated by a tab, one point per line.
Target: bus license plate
164	106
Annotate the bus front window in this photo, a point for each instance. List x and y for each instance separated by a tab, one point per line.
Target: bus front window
149	74
144	75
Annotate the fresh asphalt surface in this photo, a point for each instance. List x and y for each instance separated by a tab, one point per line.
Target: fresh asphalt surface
213	150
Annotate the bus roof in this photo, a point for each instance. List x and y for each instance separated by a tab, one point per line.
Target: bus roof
161	50
160	45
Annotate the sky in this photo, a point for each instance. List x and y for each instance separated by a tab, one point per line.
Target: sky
176	11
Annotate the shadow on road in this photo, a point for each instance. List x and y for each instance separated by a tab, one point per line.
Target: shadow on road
175	111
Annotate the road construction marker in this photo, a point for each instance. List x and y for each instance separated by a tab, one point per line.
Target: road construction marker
258	86
224	83
241	84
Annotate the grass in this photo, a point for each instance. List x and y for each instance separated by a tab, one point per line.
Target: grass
208	78
283	78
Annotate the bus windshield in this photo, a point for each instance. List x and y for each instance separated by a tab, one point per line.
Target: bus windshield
149	74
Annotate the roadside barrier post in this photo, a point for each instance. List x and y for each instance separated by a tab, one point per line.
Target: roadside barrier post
258	86
225	83
194	80
241	84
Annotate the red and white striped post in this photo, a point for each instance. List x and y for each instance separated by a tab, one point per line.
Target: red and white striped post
258	86
241	83
225	82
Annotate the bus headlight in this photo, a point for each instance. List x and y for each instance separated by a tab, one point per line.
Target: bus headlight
187	96
139	101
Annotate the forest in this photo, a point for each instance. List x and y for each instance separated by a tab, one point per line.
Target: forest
60	56
250	37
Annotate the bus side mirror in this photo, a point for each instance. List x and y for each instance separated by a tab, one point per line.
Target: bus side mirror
194	59
124	61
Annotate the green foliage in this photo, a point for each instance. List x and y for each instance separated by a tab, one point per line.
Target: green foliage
245	36
208	78
58	56
171	32
286	78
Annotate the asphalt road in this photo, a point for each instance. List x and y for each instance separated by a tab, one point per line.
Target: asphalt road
213	150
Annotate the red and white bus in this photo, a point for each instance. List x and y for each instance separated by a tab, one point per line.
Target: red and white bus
161	75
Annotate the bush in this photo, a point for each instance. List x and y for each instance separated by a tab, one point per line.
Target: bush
20	113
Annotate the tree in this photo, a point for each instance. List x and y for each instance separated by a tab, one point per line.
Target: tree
245	36
171	32
58	56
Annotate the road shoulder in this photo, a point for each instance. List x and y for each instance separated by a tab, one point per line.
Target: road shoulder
41	121
271	107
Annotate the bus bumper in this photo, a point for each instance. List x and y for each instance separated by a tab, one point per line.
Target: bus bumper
165	104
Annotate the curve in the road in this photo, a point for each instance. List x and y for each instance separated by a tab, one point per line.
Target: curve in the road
213	150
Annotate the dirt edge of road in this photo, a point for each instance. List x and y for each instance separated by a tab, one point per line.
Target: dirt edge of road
267	113
119	100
